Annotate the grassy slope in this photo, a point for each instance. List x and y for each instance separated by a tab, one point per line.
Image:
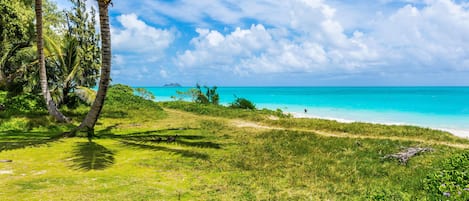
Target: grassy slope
212	160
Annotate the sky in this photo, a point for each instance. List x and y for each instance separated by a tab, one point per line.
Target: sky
289	42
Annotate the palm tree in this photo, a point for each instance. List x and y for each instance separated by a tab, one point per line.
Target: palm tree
72	78
92	117
51	106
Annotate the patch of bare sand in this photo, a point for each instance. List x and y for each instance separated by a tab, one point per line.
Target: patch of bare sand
246	124
272	117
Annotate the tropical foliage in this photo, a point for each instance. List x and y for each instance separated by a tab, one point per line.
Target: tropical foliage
72	53
76	60
451	181
16	34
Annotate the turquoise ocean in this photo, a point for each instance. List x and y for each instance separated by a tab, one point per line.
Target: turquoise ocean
445	108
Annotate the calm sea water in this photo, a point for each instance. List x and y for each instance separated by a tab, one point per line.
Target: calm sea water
435	107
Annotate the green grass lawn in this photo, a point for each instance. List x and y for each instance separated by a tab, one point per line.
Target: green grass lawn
212	159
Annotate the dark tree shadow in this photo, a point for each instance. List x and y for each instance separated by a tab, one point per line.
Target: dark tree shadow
184	153
114	114
107	129
156	137
11	140
157	140
168	130
92	156
205	144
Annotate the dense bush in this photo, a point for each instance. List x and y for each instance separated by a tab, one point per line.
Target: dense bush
451	181
242	103
25	104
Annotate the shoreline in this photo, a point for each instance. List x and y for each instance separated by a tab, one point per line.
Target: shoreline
287	109
456	132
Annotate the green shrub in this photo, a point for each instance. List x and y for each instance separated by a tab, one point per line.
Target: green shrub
451	181
25	104
242	103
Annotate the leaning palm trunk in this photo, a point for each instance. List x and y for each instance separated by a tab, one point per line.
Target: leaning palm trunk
51	106
92	117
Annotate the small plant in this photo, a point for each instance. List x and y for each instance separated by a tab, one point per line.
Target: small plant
210	97
242	103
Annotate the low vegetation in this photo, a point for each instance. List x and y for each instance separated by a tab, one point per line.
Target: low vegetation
213	158
222	111
451	180
242	103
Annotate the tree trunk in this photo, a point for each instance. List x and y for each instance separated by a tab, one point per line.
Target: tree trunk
51	106
92	117
3	80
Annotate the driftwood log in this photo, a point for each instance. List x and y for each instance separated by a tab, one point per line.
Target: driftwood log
405	155
6	161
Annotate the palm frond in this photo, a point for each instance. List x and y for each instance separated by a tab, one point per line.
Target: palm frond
53	49
85	94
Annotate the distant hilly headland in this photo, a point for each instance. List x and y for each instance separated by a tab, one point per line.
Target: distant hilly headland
172	85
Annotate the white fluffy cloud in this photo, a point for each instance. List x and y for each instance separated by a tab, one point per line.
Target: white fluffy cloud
319	46
436	34
369	38
138	47
137	36
413	38
213	48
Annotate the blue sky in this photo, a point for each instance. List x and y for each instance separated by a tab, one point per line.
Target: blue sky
290	42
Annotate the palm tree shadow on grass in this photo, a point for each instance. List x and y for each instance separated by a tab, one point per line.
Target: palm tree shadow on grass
153	135
156	140
11	140
184	153
91	156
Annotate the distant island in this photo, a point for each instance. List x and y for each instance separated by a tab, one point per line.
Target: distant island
172	85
